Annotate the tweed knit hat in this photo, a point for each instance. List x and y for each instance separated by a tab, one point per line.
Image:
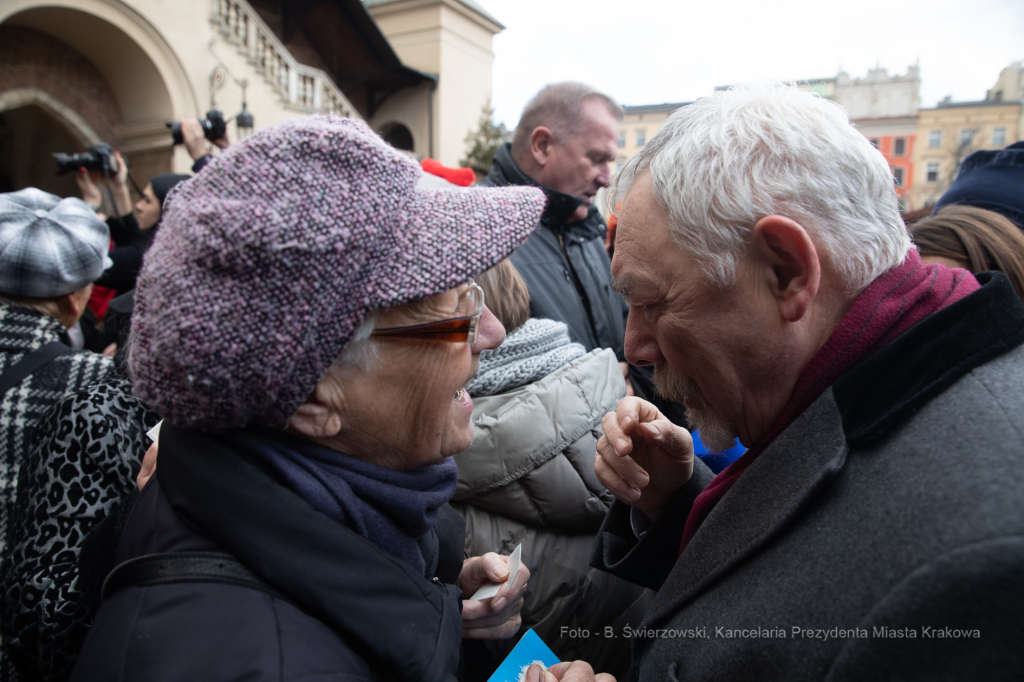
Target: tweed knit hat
268	260
49	246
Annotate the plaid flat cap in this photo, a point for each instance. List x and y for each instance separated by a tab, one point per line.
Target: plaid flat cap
49	246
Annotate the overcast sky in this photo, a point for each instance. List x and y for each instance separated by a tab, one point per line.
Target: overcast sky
654	51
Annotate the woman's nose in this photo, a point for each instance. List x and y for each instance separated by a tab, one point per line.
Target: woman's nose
490	333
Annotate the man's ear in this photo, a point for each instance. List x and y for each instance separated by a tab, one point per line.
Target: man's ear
541	141
790	264
317	417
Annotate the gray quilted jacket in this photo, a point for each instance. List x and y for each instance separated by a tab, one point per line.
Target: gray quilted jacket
529	478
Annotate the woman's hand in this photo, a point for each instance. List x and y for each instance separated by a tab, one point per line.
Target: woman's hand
574	671
121	195
497	617
88	189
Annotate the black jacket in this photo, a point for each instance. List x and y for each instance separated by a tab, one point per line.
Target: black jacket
353	611
572	287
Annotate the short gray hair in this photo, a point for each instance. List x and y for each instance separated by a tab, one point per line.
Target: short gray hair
558	106
361	350
724	162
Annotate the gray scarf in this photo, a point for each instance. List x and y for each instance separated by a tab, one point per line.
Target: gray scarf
531	352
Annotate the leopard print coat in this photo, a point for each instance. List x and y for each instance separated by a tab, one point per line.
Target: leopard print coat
79	467
23	330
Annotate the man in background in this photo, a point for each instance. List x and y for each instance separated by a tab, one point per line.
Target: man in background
565	142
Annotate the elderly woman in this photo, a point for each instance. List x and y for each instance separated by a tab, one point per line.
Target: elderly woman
305	322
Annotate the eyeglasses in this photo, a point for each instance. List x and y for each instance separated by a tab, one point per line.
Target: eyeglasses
459	329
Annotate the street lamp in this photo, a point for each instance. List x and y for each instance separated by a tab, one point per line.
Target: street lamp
243	120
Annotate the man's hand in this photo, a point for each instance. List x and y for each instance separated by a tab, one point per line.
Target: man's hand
643	458
193	136
575	671
497	617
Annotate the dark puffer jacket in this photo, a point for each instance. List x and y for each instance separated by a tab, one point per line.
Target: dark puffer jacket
529	478
350	610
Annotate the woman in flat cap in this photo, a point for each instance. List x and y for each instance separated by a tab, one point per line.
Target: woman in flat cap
306	322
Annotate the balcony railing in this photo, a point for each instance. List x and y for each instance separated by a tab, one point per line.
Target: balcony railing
303	87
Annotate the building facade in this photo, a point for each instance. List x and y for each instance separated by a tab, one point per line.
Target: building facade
952	131
452	38
80	72
639	125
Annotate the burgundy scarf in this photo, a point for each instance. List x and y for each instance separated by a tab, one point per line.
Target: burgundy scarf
890	305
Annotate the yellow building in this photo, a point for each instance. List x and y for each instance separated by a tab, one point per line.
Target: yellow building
951	131
639	125
451	38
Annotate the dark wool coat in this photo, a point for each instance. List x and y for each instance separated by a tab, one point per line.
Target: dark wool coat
350	611
879	537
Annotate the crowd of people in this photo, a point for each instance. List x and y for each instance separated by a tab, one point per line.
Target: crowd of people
284	418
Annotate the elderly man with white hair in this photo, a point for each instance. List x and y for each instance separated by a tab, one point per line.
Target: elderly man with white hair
874	529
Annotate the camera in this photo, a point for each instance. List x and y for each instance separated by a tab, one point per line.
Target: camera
214	127
100	157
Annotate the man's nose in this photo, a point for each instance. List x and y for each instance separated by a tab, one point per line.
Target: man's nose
604	178
641	345
490	333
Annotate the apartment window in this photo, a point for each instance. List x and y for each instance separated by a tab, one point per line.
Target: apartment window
934	139
619	165
998	137
899	148
641	137
897	175
933	172
622	139
966	136
874	142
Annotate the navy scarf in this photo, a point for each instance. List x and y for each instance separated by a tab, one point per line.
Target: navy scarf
391	509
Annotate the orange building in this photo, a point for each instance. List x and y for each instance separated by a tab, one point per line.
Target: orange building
895	138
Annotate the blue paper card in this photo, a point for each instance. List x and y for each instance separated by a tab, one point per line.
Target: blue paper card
531	649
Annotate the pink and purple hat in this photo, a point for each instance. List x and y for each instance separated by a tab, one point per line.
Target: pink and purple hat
268	260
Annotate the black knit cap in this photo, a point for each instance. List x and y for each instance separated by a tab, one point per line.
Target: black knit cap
163	183
993	180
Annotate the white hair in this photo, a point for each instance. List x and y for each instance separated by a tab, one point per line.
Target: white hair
724	162
361	350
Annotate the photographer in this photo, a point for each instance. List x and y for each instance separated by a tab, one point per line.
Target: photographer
132	232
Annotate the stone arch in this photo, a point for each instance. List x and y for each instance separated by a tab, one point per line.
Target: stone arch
398	136
81	131
148	83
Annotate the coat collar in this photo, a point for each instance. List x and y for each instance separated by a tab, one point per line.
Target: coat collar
928	358
505	171
867	402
